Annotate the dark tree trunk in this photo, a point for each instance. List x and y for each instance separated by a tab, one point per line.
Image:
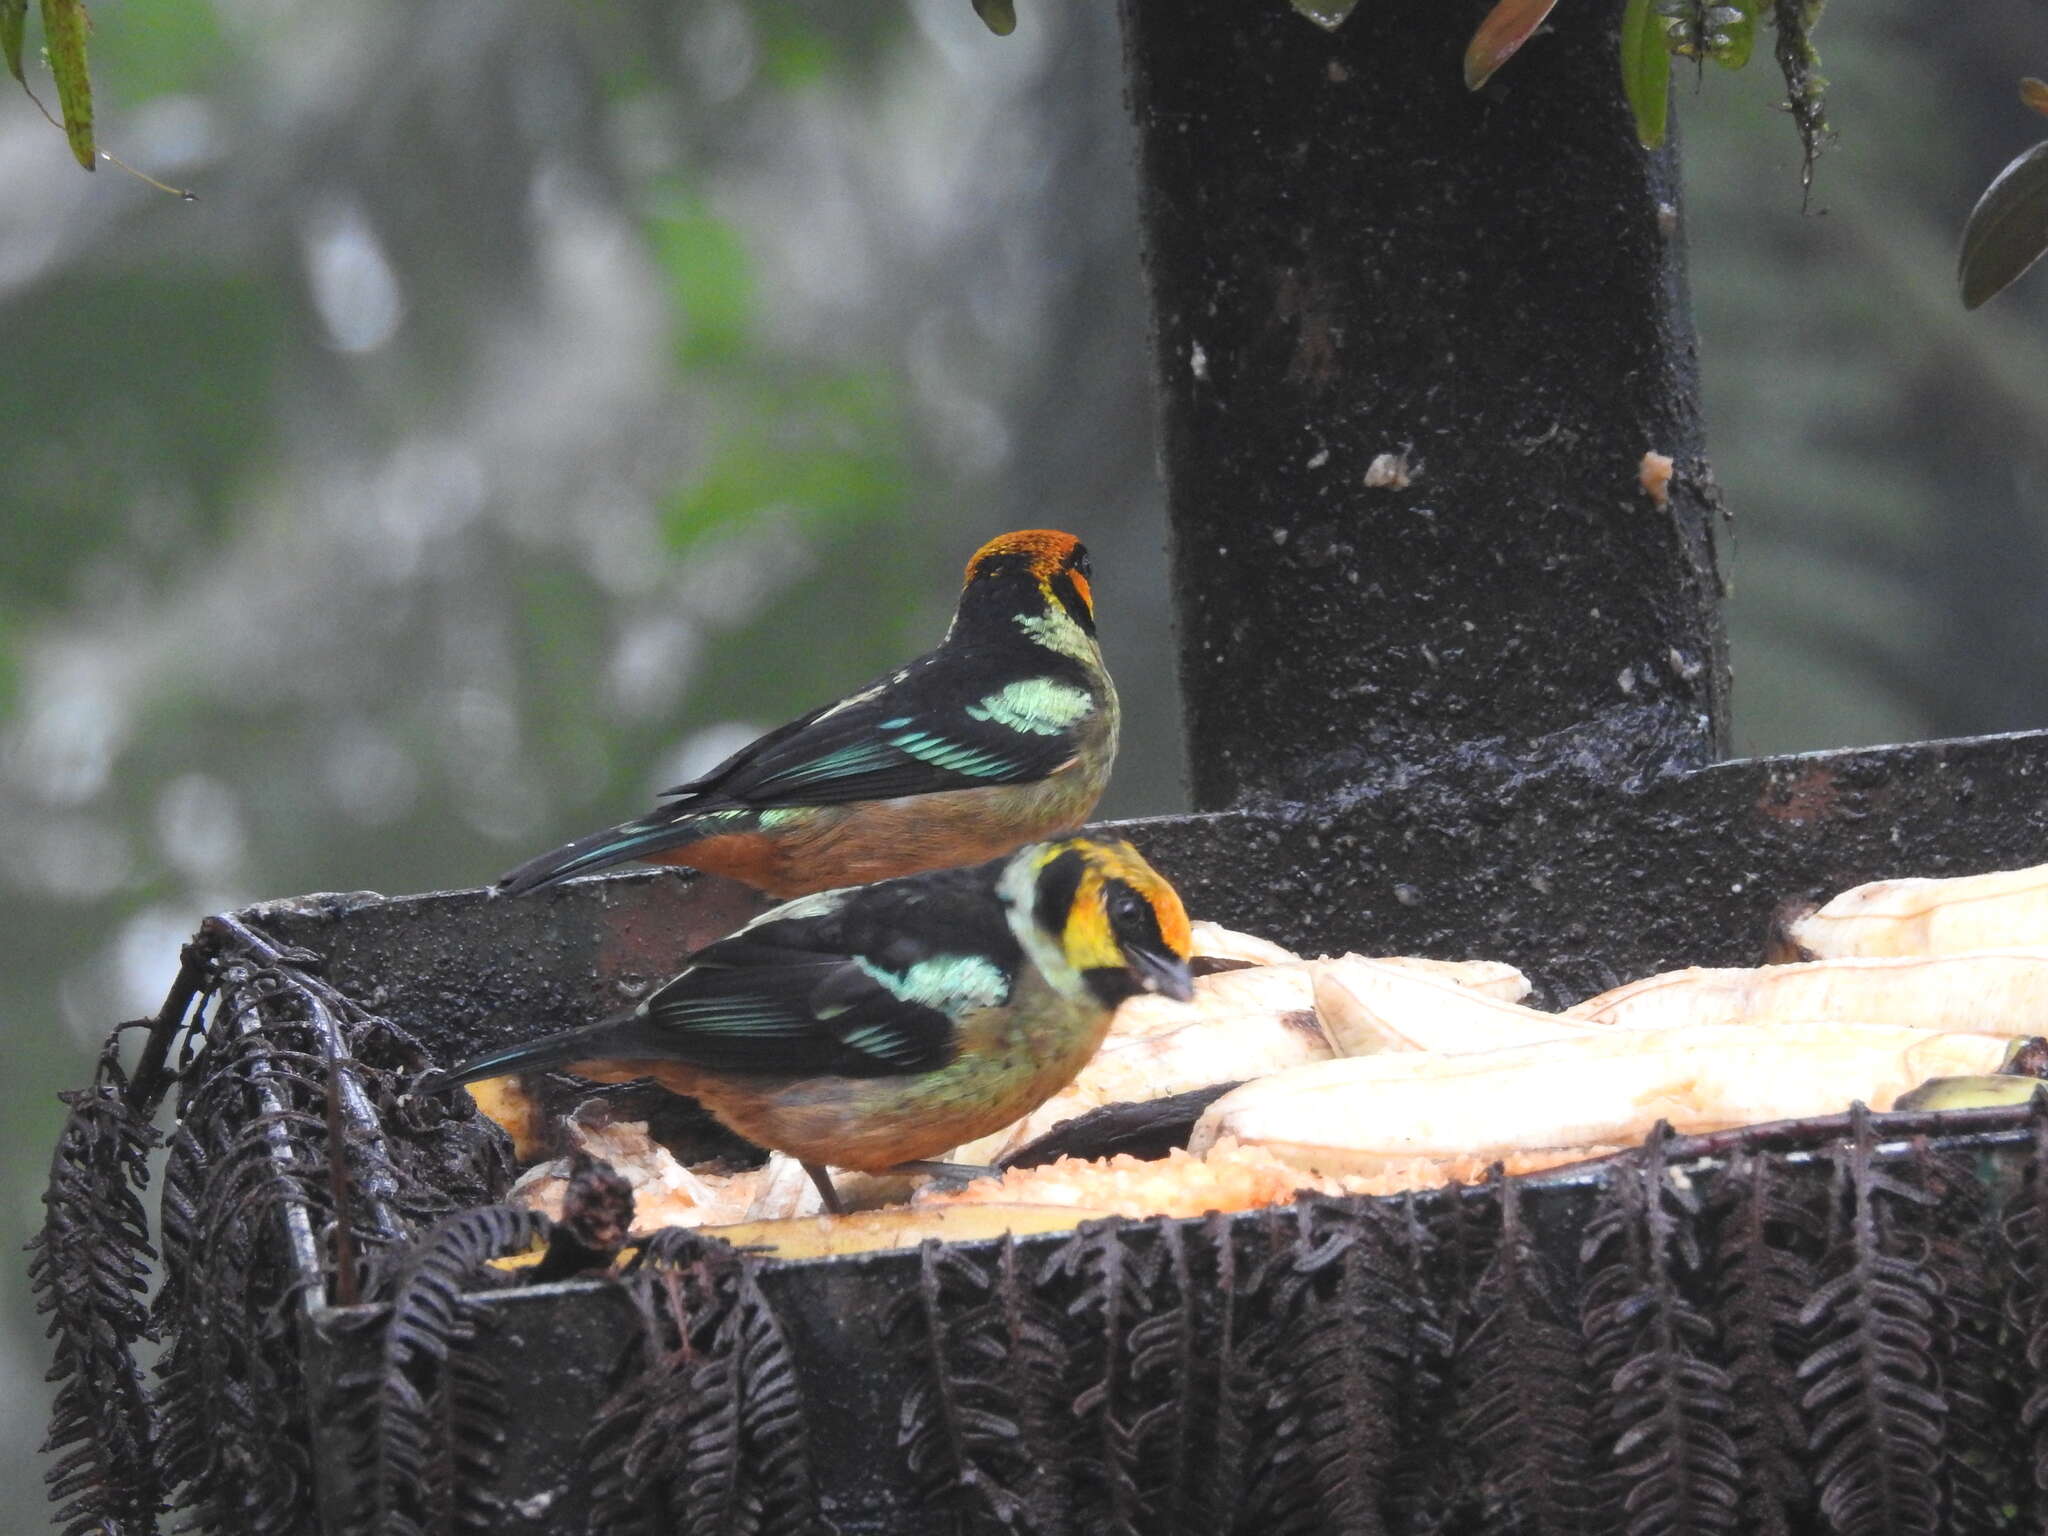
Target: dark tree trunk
1351	256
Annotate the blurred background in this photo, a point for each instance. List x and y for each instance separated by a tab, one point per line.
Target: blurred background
540	400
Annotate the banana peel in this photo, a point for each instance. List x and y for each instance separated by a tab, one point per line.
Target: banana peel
1969	1093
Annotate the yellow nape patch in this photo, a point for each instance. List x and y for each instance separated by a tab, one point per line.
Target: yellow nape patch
1047	548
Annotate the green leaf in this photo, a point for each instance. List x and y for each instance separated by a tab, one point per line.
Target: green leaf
1327	14
1000	16
2008	229
1740	33
1646	72
13	23
64	29
1507	26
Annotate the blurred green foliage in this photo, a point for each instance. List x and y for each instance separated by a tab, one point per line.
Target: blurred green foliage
705	261
795	53
150	48
826	447
829	448
195	354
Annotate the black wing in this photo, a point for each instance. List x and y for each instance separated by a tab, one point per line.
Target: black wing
924	729
919	731
817	994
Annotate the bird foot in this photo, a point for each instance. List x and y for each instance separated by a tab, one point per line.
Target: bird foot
826	1192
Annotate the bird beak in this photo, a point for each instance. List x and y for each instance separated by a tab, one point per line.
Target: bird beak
1167	974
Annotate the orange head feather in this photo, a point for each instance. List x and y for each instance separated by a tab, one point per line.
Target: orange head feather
1054	560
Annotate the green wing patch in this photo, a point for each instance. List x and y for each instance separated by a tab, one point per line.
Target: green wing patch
1035	705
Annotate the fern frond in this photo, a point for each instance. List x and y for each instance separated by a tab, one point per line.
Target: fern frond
1525	1417
90	1274
1768	1240
1665	1403
1871	1388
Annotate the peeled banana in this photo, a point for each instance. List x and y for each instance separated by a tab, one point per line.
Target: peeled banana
2005	909
2002	992
1381	1005
1359	1114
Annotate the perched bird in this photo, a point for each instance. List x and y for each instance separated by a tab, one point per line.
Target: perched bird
884	1024
1003	734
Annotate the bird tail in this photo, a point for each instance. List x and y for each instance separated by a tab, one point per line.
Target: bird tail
600	850
620	1038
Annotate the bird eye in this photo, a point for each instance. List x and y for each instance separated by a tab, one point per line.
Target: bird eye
1087	570
1126	907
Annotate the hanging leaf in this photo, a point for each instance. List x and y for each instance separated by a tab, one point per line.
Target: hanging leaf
1000	16
2008	229
1508	25
1328	14
64	29
13	21
1645	72
2033	92
1732	32
1805	87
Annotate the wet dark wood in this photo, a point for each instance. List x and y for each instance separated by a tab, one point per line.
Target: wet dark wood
1352	257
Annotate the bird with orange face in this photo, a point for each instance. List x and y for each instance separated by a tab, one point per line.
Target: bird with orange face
882	1025
1003	733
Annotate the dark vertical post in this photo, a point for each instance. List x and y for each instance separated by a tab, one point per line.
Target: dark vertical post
1355	262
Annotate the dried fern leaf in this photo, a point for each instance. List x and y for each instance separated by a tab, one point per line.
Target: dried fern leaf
1526	1417
433	1417
1768	1239
1870	1381
1665	1402
90	1273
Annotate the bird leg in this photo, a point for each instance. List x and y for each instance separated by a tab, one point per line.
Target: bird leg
946	1173
826	1192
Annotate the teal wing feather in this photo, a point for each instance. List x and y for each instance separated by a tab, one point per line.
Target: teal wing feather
863	983
952	720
